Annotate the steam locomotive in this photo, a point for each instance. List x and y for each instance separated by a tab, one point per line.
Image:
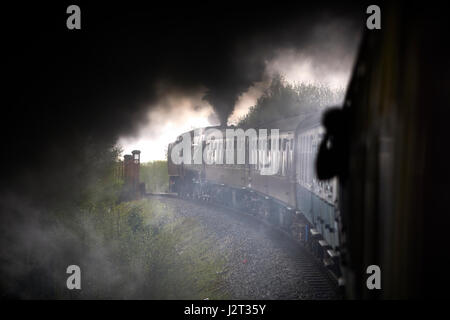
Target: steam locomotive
291	198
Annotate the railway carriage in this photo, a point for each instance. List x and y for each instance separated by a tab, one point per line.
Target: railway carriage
291	198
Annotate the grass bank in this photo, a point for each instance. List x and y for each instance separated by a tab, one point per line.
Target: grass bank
142	249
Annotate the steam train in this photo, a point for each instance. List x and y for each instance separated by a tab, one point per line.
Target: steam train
290	198
383	161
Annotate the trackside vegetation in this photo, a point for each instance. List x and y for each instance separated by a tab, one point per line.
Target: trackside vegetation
283	100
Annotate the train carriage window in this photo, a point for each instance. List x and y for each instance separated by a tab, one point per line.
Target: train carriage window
299	156
251	152
227	150
300	159
263	153
222	151
216	152
299	162
291	155
259	151
304	158
255	153
277	158
305	161
260	154
288	154
236	150
220	159
211	153
310	160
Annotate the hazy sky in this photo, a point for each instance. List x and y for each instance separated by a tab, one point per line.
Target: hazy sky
175	113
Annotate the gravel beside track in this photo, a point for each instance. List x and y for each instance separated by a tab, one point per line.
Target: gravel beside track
261	264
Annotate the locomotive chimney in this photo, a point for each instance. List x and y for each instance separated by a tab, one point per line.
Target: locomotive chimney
136	156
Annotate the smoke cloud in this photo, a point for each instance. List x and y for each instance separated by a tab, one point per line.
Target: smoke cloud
318	48
73	94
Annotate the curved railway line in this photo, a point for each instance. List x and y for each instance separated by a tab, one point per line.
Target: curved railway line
263	263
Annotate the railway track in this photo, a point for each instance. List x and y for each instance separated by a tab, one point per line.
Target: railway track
307	276
315	279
